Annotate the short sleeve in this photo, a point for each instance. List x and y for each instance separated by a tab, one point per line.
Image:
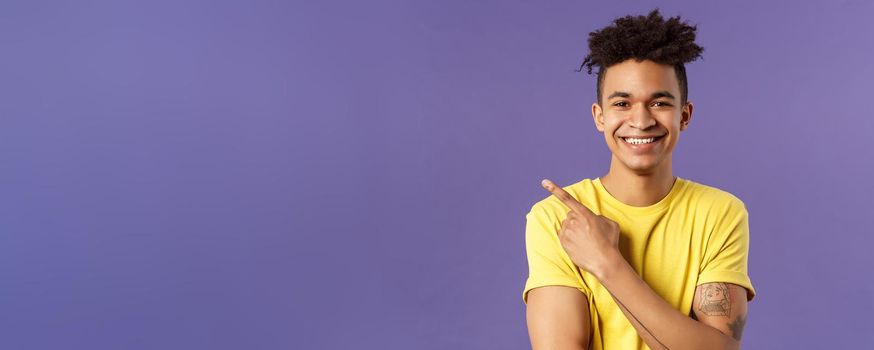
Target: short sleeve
726	254
548	263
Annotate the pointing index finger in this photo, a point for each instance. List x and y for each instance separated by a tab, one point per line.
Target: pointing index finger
566	198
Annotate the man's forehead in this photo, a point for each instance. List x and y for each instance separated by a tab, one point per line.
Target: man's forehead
657	94
634	72
636	79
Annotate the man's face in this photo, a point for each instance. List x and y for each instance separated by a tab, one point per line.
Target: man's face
641	100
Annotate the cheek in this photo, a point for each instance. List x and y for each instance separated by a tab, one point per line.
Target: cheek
672	121
610	125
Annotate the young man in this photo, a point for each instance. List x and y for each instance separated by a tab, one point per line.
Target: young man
638	258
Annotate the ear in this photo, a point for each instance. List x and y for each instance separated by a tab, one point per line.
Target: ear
686	116
598	116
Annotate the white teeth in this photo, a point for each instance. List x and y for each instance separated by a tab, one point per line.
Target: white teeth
639	141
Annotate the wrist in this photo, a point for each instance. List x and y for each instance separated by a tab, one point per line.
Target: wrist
612	264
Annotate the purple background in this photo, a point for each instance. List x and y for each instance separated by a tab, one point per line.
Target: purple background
336	175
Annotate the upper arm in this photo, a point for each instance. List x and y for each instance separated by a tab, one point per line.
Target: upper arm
722	306
558	318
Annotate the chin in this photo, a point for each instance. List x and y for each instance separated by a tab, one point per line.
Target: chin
643	171
642	167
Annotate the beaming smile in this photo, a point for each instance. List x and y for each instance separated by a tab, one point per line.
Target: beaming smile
641	141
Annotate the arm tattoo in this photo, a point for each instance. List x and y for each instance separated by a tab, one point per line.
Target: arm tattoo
715	299
737	327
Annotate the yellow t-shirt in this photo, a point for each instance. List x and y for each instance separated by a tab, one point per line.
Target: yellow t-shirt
694	235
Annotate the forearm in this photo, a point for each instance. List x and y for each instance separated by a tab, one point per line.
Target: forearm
657	322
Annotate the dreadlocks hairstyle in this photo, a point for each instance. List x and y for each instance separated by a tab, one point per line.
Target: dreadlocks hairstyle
650	37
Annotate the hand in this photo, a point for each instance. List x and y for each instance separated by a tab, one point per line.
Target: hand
591	240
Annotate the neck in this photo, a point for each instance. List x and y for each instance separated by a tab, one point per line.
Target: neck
638	189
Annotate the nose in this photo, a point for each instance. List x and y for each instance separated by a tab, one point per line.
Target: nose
641	118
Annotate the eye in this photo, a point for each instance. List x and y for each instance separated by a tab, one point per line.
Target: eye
621	104
661	104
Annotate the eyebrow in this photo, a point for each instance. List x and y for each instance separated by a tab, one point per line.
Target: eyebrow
657	94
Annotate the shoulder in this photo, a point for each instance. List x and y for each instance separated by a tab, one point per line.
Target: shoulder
713	198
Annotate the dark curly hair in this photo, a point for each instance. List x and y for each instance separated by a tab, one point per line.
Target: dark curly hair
650	37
